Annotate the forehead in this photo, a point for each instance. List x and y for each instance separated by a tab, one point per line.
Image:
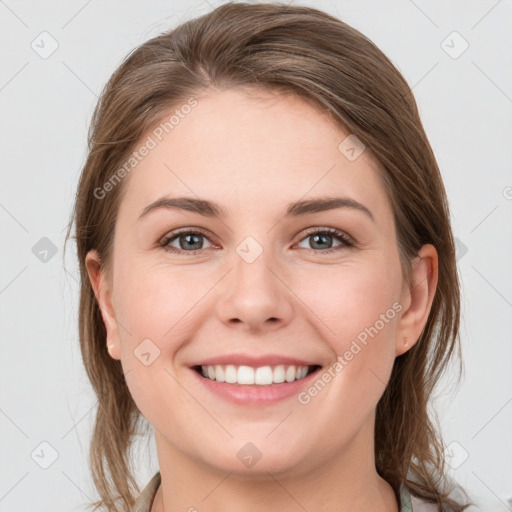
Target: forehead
248	148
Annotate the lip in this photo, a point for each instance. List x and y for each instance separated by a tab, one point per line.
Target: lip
255	361
255	395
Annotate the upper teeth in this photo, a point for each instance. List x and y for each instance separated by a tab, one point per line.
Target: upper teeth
263	375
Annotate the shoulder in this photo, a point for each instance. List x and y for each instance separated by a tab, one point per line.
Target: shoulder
146	497
410	503
419	505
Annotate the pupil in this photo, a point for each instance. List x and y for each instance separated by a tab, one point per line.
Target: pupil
324	237
188	238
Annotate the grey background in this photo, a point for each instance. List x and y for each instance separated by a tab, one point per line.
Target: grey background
46	103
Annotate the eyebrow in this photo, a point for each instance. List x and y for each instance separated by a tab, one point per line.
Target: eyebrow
296	209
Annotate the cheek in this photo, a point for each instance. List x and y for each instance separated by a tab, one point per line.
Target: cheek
155	302
352	301
155	308
359	312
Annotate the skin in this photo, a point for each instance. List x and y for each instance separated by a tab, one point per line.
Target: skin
253	153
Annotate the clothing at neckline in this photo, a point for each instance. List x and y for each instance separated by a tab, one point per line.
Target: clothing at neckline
147	496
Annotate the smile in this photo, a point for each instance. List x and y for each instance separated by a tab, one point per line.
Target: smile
259	376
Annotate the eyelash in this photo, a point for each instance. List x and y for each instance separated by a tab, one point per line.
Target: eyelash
346	241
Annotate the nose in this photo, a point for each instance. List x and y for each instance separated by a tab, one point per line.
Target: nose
254	297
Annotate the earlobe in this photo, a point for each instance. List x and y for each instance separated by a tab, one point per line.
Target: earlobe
113	350
417	299
103	293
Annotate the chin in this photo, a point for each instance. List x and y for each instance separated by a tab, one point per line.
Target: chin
248	460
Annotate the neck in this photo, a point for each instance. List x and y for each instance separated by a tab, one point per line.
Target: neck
346	482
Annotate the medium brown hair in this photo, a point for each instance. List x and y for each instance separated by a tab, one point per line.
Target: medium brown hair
309	53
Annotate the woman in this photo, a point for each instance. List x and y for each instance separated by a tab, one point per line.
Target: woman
265	249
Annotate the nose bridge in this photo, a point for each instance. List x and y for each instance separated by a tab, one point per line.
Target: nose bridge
253	293
252	265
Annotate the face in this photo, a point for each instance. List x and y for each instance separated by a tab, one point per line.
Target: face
260	289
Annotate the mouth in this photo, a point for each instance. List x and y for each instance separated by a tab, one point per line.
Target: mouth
243	375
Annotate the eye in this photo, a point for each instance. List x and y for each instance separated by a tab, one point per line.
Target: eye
186	239
191	241
324	236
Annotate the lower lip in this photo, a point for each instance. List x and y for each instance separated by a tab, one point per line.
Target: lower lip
253	394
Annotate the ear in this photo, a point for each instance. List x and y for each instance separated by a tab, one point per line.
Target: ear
103	295
417	299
